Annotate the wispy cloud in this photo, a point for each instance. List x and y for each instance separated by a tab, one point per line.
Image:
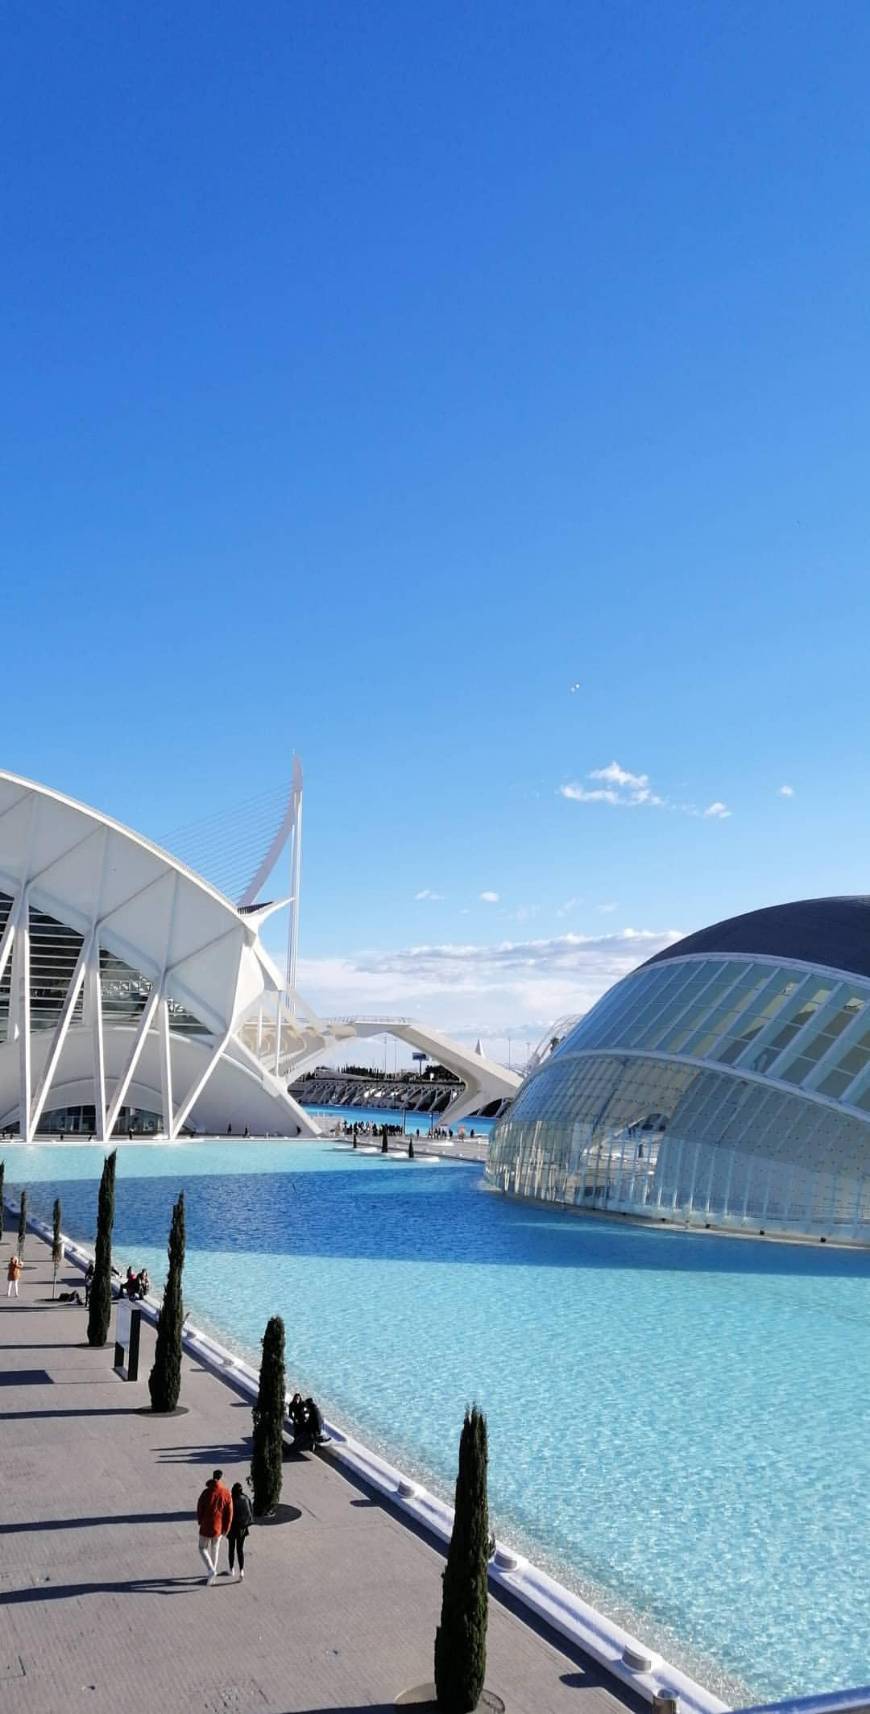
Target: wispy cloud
608	907
786	791
489	898
471	990
619	786
427	893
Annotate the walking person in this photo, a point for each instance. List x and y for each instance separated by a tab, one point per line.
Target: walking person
13	1275
243	1517
214	1515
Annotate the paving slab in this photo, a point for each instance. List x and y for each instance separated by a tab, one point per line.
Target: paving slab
103	1603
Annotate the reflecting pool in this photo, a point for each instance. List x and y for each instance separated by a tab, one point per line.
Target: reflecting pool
678	1422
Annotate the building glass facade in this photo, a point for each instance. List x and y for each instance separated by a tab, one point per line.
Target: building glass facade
731	1092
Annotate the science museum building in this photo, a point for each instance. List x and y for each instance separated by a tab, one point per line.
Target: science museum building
725	1084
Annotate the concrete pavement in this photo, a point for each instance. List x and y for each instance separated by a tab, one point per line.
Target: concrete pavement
103	1604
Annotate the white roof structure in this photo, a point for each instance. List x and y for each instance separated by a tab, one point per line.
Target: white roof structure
130	985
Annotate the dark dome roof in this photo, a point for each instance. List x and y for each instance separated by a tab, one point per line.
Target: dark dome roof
835	932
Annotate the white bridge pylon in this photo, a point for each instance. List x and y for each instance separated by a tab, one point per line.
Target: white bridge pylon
292	1039
301	1040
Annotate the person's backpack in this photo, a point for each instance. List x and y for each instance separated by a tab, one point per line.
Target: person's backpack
243	1515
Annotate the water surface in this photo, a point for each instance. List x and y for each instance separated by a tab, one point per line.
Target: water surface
678	1422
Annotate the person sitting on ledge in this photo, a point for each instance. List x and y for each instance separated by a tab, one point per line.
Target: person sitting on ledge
315	1422
307	1420
296	1413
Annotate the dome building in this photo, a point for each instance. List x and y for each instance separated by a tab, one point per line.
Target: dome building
724	1084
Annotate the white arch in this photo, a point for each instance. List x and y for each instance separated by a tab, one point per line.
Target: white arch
193	966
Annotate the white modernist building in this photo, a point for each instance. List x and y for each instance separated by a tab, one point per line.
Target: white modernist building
135	997
724	1084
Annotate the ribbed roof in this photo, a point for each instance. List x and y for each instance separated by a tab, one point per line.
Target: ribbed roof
835	932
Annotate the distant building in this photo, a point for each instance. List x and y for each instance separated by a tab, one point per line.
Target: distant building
723	1084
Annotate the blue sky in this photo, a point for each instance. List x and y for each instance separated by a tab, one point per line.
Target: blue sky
372	375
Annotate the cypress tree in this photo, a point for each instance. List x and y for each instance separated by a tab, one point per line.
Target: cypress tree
22	1222
460	1641
100	1311
164	1381
2	1177
267	1452
56	1245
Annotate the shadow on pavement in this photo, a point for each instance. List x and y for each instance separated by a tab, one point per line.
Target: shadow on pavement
239	1453
87	1410
36	1524
132	1586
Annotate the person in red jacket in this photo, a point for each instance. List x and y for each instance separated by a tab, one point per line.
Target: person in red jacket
214	1514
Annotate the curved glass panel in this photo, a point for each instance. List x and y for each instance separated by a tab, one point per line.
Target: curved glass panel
698	1146
642	1109
801	1027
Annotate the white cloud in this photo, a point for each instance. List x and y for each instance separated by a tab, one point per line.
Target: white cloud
427	893
471	990
620	787
608	907
786	791
490	898
569	906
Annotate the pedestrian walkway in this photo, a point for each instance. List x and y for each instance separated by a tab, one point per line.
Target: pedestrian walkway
103	1603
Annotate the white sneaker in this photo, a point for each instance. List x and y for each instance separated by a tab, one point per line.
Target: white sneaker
241	1577
210	1580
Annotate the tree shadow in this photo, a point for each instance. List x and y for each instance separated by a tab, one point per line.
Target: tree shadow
88	1410
60	1345
216	1456
71	1591
36	1525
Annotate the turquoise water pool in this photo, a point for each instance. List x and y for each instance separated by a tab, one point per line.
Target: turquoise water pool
678	1422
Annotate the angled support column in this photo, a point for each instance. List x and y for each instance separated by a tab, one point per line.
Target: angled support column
165	1063
60	1034
139	1039
7	939
199	1084
95	1015
21	991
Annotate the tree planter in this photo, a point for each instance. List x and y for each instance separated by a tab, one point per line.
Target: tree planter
423	1696
280	1514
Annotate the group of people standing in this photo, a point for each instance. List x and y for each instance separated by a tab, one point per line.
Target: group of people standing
220	1512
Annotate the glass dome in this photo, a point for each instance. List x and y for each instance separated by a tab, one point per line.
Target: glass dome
724	1084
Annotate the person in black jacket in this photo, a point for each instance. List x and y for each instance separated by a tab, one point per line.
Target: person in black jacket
243	1517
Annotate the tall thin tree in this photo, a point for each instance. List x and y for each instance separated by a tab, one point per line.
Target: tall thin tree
56	1243
22	1222
100	1313
267	1452
2	1177
460	1641
164	1381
